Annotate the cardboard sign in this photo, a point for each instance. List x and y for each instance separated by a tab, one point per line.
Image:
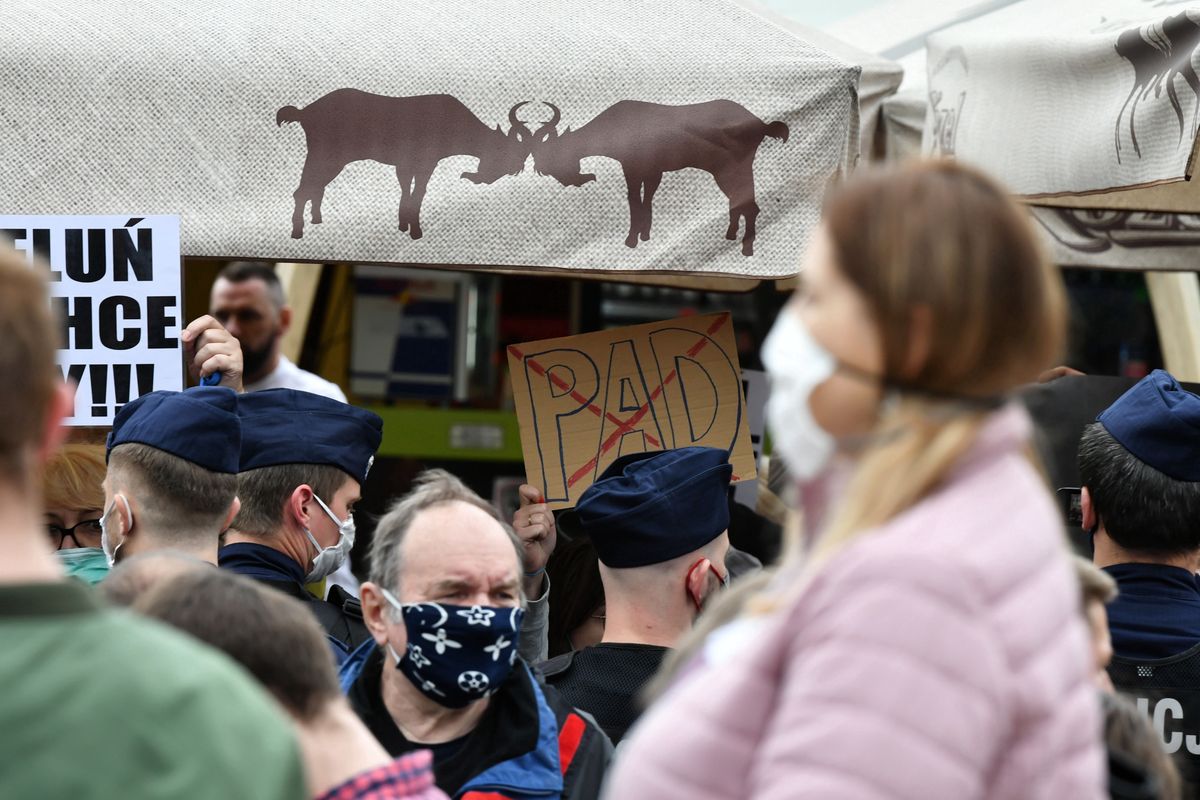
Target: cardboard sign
585	400
115	283
755	389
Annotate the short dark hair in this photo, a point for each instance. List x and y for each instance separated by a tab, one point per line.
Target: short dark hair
183	503
264	492
241	271
272	635
1141	509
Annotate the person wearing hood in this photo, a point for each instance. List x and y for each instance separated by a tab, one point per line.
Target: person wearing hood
303	460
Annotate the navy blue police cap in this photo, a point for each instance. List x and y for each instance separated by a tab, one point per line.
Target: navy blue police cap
1158	421
647	508
199	425
286	426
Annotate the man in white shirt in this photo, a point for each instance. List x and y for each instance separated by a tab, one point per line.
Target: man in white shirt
248	300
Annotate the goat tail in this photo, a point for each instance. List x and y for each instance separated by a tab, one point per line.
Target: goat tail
777	130
287	114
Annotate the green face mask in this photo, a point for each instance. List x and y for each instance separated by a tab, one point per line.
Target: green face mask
88	564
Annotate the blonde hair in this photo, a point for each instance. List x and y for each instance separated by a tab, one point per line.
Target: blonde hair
74	477
939	247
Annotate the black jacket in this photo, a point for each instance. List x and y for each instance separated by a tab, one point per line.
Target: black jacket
606	681
340	616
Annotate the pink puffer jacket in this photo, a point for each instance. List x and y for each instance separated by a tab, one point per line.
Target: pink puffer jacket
941	657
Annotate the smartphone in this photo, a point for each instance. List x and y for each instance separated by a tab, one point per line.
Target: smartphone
1072	506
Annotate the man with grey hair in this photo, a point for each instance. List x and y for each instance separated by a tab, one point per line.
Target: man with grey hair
444	606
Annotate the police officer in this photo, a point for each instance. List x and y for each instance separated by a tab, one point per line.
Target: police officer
172	473
1140	468
660	523
303	460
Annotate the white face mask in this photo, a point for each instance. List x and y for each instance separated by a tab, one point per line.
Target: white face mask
110	552
797	365
329	559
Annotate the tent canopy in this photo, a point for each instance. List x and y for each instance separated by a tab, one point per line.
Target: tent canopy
529	136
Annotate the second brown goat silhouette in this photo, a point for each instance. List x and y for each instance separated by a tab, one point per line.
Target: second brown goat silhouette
720	137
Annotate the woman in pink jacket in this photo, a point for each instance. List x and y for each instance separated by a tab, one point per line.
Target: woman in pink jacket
927	643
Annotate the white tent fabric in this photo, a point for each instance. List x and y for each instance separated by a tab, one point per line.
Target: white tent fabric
211	110
1032	91
1069	96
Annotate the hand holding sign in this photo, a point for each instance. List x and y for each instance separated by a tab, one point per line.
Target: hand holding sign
534	524
212	350
585	400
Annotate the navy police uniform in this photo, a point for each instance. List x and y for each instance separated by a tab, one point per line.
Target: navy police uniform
646	508
1155	619
286	426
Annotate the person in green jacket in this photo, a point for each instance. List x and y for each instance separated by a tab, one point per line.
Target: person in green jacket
97	703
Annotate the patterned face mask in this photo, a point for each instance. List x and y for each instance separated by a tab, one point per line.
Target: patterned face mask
457	654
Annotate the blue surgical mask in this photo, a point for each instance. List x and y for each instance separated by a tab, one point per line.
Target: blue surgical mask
88	564
457	654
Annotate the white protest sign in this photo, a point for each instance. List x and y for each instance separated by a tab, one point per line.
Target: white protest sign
115	282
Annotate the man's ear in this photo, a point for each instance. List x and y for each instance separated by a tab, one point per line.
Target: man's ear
374	607
697	579
298	505
62	405
234	508
1090	521
124	515
285	319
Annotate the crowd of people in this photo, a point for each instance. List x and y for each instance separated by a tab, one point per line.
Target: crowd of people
171	595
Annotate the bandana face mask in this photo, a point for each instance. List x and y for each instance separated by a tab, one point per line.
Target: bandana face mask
457	654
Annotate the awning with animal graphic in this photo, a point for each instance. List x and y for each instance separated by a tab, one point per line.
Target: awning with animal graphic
682	136
1087	108
1071	97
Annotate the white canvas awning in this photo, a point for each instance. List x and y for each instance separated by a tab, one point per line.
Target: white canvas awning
213	111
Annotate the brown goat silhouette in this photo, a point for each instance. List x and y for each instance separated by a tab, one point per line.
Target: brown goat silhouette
412	134
720	137
1157	60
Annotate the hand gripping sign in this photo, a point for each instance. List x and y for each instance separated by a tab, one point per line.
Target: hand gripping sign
115	284
585	400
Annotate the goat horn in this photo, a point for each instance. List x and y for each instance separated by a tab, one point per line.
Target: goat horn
557	115
512	113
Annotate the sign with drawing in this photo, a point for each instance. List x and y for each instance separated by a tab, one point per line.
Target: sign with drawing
115	283
585	400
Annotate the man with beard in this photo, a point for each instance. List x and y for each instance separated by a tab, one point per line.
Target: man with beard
248	300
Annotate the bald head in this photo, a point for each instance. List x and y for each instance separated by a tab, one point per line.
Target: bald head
440	537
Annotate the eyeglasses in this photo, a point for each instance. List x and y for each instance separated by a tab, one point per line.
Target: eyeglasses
85	533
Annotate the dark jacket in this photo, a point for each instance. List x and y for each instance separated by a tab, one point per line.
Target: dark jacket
341	616
528	744
1157	610
606	681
